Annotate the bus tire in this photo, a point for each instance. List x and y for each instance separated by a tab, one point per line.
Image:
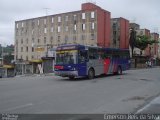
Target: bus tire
91	73
119	70
71	77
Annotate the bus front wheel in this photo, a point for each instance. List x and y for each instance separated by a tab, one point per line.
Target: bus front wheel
91	73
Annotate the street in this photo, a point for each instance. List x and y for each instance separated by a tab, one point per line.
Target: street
105	94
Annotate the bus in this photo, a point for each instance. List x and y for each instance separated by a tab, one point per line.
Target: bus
88	61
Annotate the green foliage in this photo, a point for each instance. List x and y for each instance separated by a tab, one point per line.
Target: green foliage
143	41
8	59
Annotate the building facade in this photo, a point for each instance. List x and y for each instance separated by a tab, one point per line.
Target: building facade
119	33
147	51
134	26
154	48
88	26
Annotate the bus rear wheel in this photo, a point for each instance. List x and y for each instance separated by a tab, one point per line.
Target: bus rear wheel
71	77
91	74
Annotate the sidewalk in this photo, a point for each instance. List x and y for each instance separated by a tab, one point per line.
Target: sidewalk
34	75
152	107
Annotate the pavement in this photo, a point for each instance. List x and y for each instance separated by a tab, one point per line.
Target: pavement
152	107
136	91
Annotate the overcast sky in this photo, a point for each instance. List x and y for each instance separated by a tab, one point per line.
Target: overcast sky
144	12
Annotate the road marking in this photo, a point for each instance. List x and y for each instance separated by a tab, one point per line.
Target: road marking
19	107
142	109
154	101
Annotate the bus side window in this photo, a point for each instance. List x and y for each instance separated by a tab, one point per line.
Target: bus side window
82	56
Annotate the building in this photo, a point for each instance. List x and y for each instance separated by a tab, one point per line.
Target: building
119	33
147	51
159	48
154	47
134	26
88	26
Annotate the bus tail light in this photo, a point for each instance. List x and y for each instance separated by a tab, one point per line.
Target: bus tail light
58	67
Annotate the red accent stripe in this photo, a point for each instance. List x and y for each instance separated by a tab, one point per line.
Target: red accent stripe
106	65
58	67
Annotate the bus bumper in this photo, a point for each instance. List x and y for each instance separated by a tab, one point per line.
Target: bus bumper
66	73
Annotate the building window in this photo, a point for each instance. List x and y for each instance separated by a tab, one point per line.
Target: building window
66	18
21	49
52	20
45	21
83	37
92	37
17	25
44	40
92	14
27	40
38	22
75	27
26	49
59	29
74	38
92	26
32	49
33	24
32	31
51	29
27	58
17	32
21	41
51	40
59	19
38	40
32	57
59	37
39	31
66	39
83	26
22	25
66	28
74	17
83	16
45	30
33	40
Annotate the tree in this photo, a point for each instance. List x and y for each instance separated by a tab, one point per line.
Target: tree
132	40
142	42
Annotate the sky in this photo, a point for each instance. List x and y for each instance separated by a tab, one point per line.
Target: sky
144	12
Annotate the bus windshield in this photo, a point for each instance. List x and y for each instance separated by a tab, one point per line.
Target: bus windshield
66	57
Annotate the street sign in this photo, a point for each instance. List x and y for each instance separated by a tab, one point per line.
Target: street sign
39	49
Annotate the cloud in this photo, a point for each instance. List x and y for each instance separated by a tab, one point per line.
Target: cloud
143	12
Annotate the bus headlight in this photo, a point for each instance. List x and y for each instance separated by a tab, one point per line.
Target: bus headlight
73	68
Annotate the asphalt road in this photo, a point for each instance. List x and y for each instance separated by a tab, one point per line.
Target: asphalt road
51	94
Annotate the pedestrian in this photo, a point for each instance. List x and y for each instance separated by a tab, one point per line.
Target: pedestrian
146	64
150	64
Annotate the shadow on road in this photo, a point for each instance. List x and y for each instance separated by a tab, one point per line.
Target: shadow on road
86	79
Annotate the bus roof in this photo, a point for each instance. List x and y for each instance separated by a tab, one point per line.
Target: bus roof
78	46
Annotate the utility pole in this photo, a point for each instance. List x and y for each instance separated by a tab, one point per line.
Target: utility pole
2	55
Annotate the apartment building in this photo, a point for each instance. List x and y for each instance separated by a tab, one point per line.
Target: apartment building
119	33
88	26
134	26
147	51
154	48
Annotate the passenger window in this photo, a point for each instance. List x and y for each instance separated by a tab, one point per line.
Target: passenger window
82	56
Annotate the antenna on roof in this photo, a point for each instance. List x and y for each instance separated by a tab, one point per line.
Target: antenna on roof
46	10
